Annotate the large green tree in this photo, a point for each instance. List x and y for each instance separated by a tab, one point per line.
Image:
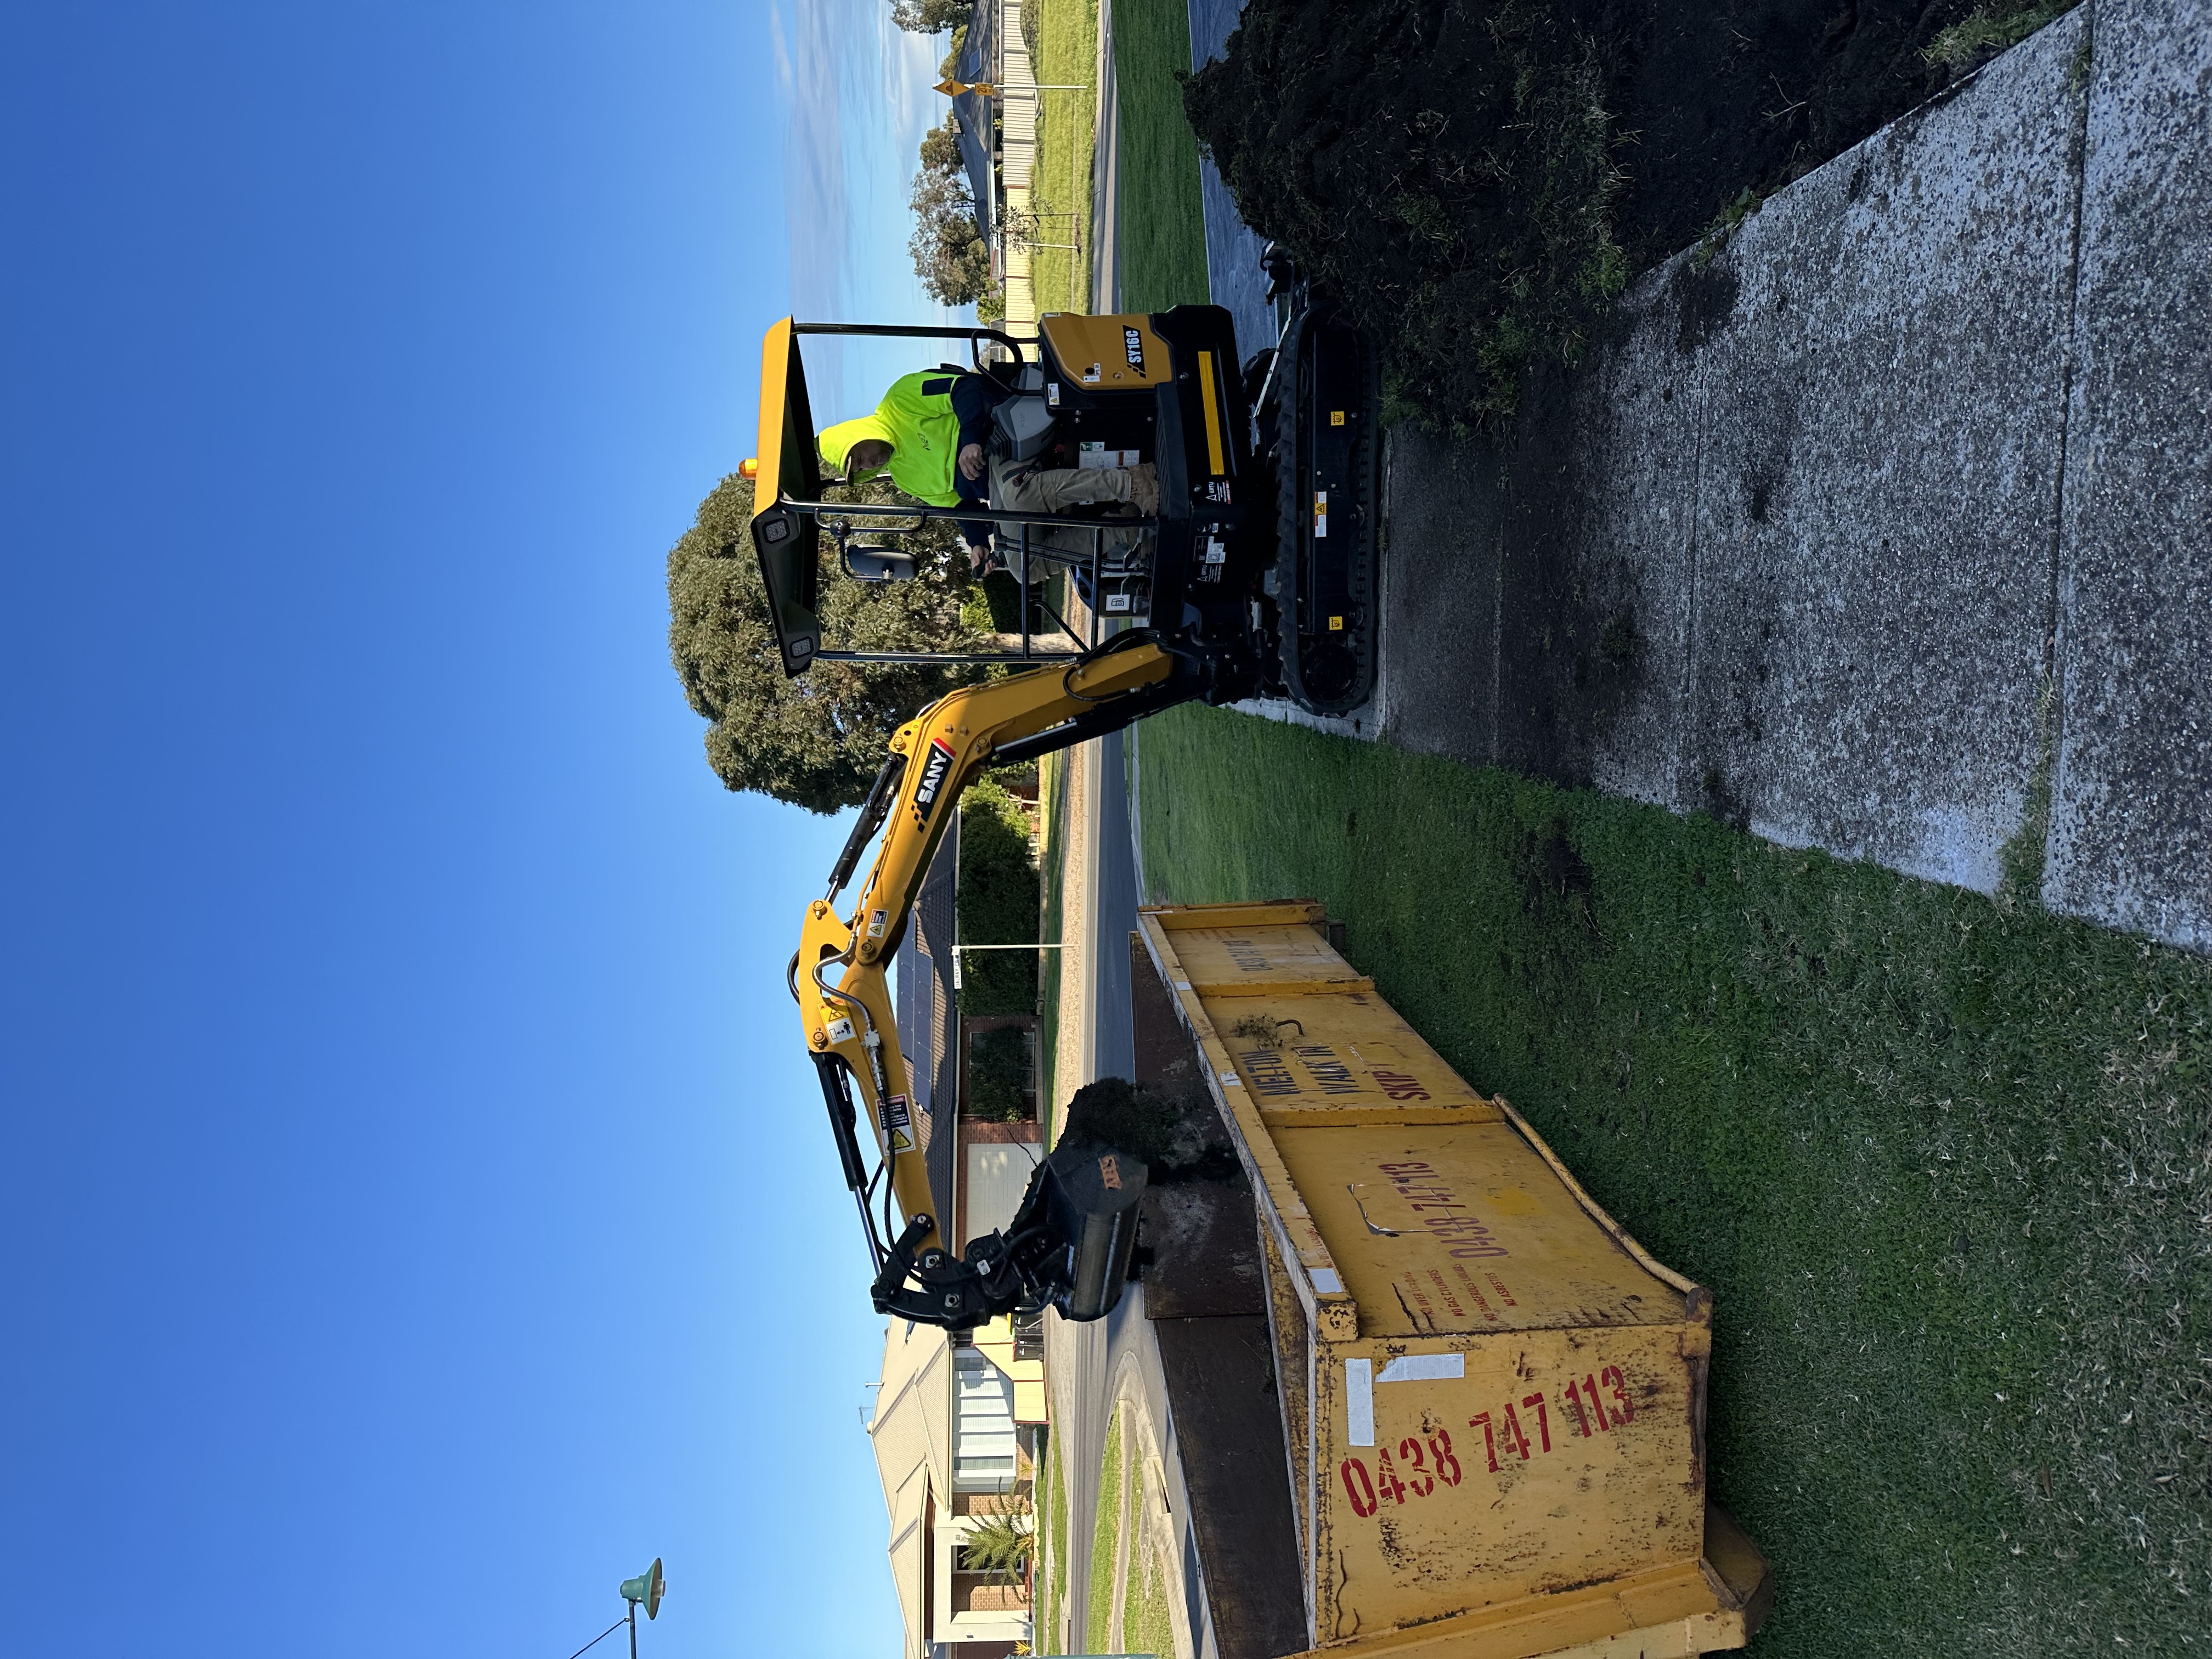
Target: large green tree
940	148
930	16
817	741
950	254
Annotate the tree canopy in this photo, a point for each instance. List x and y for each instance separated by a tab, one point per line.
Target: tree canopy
950	254
996	901
930	16
940	148
817	741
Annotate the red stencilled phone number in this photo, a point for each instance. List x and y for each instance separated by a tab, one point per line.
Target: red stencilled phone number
1368	1493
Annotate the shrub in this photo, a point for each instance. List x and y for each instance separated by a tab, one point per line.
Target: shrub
998	1075
1003	1544
1447	175
1176	1138
997	902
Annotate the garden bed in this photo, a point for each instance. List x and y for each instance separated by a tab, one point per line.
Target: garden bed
1477	181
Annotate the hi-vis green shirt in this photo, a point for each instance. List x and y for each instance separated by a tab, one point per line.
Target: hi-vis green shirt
917	418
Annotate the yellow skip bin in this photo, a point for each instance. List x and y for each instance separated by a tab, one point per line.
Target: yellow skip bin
1494	1399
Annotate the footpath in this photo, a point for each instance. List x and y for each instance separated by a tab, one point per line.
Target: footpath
1131	1568
1885	527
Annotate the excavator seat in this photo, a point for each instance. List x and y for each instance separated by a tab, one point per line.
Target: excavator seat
1023	424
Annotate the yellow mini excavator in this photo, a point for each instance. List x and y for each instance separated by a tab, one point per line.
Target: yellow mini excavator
1256	577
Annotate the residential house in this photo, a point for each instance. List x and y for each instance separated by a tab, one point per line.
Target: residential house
957	1430
978	1171
957	1427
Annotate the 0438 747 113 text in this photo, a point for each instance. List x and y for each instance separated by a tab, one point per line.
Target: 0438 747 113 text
1597	1404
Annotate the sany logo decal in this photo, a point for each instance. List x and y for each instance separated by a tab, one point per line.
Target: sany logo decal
934	766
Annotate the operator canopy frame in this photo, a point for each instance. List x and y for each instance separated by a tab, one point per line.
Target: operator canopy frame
787	510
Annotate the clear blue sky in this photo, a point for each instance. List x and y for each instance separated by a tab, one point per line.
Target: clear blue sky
419	1214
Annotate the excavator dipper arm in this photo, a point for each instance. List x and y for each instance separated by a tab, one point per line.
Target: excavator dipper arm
1069	1243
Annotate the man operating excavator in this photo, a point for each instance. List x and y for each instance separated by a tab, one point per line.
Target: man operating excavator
1256	567
932	433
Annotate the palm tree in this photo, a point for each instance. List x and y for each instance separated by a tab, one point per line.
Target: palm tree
1003	1544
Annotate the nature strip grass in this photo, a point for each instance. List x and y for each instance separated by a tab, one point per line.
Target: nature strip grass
1105	1539
1045	1632
1162	213
1052	925
1946	1164
1060	178
1044	1609
1147	1626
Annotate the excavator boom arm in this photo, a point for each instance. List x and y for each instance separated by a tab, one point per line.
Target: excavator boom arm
1070	1240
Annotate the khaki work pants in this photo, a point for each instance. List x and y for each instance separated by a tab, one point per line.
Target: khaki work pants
1019	487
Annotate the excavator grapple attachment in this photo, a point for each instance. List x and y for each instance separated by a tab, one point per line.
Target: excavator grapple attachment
1069	1247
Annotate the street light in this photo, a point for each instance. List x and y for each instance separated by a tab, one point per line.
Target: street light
958	948
952	89
647	1587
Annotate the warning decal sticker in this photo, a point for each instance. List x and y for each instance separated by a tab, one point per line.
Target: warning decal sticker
898	1124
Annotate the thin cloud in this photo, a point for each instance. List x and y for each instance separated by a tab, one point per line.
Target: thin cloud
861	96
779	46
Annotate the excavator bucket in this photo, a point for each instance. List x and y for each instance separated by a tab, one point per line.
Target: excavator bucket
1090	1196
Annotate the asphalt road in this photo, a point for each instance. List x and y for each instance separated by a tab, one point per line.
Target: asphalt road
1092	1356
1096	1364
1091	1363
1116	916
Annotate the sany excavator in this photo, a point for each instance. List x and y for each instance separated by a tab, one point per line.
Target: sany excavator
1255	578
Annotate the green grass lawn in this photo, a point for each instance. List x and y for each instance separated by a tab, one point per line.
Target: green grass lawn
1060	181
1147	1623
1946	1165
1105	1538
1161	219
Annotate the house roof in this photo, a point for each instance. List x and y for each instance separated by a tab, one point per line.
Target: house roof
978	61
912	1434
929	1016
